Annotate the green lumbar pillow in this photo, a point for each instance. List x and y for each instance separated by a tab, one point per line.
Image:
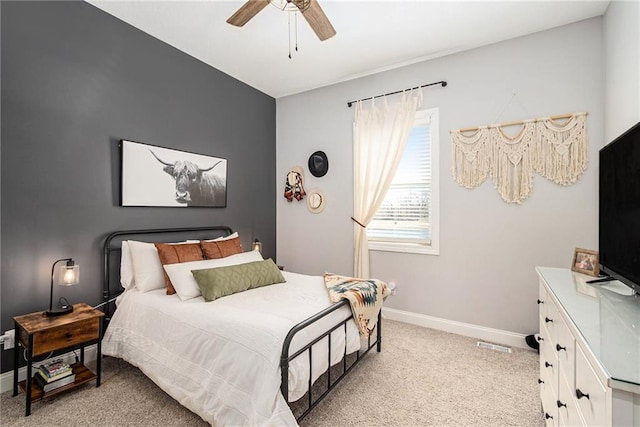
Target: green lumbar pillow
222	281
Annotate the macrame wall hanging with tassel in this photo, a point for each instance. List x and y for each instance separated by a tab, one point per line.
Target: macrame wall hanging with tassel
554	147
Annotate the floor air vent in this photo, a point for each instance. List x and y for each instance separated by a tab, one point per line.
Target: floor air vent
495	347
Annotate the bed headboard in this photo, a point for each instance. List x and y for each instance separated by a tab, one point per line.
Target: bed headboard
112	251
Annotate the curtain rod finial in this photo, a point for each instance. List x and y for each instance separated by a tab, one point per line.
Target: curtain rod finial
444	84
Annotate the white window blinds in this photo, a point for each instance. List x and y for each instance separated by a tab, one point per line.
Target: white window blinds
406	215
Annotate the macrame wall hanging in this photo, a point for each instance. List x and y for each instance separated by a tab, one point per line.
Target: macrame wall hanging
555	147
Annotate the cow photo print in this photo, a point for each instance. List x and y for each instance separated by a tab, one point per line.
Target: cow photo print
157	176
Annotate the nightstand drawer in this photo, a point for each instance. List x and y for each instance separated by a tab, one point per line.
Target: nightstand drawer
66	335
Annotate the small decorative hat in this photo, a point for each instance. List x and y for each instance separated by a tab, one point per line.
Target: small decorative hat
315	200
318	164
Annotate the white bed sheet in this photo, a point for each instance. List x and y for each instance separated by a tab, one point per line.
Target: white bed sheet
221	359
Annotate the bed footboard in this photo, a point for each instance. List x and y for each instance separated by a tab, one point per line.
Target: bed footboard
285	358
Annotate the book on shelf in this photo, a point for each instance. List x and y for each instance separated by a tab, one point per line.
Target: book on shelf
55	367
41	372
49	386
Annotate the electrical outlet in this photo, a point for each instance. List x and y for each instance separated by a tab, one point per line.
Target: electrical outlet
9	339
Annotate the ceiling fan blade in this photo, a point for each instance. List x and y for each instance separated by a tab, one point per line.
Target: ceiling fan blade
318	21
247	11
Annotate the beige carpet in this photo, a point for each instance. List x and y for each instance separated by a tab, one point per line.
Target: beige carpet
422	377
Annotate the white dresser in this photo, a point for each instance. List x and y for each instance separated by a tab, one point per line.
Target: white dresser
589	351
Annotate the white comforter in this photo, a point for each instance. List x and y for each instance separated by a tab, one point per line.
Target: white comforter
221	359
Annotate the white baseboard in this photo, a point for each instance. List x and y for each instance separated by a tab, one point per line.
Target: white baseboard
497	336
6	379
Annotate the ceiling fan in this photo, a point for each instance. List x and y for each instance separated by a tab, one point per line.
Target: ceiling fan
310	9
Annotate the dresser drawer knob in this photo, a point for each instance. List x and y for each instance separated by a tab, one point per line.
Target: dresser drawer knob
548	365
540	301
547	416
580	394
547	320
68	335
540	381
559	347
540	338
560	404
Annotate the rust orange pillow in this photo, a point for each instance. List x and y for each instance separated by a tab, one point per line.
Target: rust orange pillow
221	248
173	254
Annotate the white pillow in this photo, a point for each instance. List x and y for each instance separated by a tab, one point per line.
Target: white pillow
127	279
186	286
147	269
229	237
219	239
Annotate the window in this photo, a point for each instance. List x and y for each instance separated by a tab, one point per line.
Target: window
407	220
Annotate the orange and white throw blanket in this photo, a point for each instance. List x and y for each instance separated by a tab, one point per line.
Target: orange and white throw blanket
364	295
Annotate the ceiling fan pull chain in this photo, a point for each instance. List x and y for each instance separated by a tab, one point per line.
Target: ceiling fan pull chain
289	23
296	18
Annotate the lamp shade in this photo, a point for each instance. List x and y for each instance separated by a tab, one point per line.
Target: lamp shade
69	275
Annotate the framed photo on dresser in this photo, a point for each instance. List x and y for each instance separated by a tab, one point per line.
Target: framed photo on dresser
586	261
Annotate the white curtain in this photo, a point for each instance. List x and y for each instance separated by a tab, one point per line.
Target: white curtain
380	133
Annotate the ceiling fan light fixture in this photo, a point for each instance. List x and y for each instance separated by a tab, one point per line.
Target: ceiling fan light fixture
291	5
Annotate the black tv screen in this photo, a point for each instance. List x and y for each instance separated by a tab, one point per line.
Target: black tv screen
619	222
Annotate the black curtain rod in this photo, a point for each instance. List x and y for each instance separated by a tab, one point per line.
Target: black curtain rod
443	83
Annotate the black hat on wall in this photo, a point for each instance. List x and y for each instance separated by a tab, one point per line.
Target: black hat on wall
318	164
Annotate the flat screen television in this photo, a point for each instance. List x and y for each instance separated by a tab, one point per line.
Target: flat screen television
619	208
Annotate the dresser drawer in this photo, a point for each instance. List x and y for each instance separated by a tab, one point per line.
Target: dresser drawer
593	403
550	414
548	363
548	397
543	300
543	337
547	331
565	348
68	335
568	413
550	321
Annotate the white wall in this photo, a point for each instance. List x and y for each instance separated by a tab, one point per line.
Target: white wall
622	70
485	272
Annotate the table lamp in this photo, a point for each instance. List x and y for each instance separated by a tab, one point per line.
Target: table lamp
257	245
68	275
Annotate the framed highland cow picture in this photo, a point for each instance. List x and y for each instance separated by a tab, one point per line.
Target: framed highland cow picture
157	176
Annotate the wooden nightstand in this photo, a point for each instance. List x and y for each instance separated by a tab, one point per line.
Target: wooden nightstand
41	335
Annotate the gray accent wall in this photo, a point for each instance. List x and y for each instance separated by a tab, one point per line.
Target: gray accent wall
75	81
484	275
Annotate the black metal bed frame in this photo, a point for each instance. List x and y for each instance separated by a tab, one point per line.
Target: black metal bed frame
284	359
205	232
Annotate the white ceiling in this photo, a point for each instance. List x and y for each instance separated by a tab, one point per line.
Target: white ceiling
371	35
